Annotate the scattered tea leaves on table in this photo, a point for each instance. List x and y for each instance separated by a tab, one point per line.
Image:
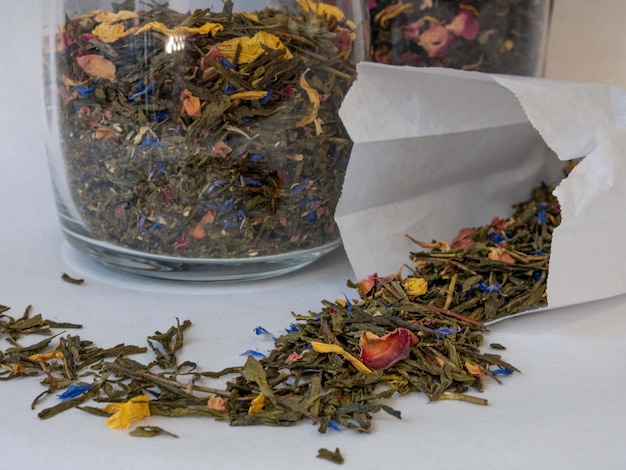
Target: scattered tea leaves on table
334	368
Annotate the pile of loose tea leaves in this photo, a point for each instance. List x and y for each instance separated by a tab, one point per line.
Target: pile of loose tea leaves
206	134
334	368
497	36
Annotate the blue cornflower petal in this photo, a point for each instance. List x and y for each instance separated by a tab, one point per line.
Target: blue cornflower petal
252	182
229	89
87	92
256	158
266	99
311	217
443	332
348	303
253	353
240	214
74	391
142	221
229	204
160	116
227	63
334	425
498	238
482	286
260	331
501	371
292	328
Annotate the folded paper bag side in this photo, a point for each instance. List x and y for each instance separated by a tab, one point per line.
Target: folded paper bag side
568	115
383	105
589	239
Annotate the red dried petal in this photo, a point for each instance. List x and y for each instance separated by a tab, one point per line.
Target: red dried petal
381	352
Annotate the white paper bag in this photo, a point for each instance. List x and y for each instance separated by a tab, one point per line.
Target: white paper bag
436	150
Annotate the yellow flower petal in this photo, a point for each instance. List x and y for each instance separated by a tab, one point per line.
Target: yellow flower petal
248	95
415	286
314	98
207	28
45	357
335	348
258	404
324	10
108	32
251	47
128	412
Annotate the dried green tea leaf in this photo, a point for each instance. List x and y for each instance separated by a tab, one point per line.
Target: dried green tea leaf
71	280
332	456
150	431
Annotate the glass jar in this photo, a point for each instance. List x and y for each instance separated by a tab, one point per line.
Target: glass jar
494	36
193	143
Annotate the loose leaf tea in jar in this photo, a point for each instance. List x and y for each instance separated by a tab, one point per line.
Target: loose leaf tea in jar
494	36
201	144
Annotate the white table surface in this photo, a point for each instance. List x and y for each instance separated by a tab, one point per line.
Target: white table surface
565	411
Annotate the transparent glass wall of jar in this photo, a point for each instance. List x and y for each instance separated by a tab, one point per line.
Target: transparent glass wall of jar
494	36
200	140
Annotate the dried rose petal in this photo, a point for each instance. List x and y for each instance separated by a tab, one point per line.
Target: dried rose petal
464	24
436	40
367	284
191	104
501	255
381	352
221	149
97	66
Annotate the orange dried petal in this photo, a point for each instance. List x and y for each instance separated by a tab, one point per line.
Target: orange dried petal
501	255
474	369
216	403
258	404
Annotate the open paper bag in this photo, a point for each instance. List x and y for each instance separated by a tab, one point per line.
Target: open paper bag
436	150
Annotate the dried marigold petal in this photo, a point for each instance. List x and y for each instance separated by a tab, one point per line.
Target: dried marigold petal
128	412
45	357
335	348
108	32
381	352
415	286
248	95
258	404
314	98
251	47
97	66
324	10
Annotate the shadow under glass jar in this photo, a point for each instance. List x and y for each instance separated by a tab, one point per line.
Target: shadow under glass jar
199	144
493	36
